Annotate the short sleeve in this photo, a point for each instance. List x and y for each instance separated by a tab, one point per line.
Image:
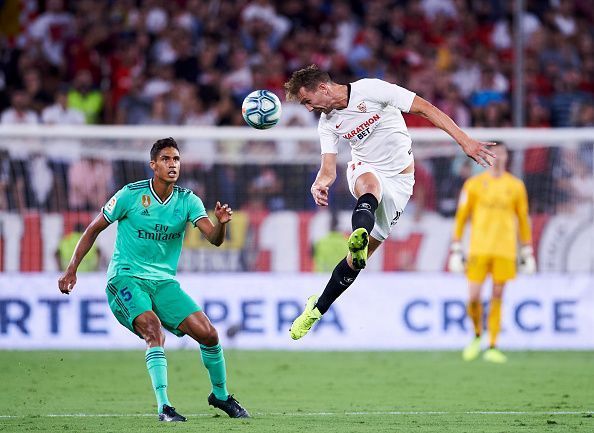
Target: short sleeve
389	94
328	139
196	208
117	206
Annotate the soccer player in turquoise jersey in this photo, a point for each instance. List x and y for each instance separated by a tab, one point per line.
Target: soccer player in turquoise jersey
142	292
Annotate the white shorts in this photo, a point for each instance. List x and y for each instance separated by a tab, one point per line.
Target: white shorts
395	193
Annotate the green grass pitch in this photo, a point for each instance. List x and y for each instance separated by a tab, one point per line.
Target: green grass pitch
109	391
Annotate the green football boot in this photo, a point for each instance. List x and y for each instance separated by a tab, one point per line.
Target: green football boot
358	242
473	350
303	323
494	355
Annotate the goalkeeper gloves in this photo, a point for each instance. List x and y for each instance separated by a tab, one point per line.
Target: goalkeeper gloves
527	261
456	260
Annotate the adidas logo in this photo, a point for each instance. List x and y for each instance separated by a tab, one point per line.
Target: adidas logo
145	212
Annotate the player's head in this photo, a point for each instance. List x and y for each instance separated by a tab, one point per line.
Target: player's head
165	160
501	156
310	86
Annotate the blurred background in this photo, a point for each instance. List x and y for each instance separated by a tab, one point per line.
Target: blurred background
87	86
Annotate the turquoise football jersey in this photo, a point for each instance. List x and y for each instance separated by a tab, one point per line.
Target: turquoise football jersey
150	231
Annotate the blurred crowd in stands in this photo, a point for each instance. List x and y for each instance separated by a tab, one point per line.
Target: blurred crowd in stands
191	62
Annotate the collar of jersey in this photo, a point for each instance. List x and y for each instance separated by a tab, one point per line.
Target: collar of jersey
156	196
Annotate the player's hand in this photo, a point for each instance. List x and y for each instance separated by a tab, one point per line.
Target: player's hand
456	259
527	261
223	212
67	281
320	194
479	151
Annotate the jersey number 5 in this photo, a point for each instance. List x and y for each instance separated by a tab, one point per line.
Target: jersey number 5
126	295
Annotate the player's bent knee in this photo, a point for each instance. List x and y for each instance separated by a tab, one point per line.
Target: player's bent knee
211	337
153	335
150	329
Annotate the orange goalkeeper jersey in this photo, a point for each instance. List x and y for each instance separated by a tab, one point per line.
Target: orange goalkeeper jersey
498	210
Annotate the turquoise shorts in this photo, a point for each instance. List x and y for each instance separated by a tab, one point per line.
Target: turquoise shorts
129	297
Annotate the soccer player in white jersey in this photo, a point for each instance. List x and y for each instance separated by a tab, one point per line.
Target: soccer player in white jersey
367	114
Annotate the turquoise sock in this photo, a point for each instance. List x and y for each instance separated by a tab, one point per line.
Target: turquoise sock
214	361
156	363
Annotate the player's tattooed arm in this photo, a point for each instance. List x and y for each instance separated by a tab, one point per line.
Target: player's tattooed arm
68	279
477	150
325	178
215	233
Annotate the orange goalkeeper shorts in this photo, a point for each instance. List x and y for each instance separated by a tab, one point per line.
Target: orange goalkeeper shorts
501	269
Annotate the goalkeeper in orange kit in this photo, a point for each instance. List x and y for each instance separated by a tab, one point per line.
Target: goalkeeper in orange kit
497	205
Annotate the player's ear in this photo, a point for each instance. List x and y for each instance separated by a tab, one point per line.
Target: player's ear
152	164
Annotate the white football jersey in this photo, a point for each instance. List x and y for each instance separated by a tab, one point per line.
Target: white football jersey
372	124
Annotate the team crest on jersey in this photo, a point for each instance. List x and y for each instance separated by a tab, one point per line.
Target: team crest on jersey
362	107
146	200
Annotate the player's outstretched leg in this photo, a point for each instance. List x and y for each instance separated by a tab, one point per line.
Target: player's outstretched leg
156	364
342	277
214	361
362	222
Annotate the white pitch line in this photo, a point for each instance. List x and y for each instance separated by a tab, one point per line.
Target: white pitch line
311	414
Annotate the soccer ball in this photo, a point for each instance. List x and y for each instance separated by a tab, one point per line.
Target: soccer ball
261	109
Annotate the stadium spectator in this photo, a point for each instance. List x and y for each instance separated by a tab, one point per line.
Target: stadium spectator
66	248
133	108
19	111
265	190
84	98
59	113
38	97
89	184
40	182
51	30
567	99
331	248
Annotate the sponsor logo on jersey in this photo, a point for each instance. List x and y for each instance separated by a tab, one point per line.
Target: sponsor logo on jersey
161	233
146	200
338	124
363	129
111	204
145	213
362	107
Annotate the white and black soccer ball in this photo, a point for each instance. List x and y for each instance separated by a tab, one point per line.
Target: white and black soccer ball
261	109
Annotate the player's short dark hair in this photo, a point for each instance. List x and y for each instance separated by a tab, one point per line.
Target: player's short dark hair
308	77
161	144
